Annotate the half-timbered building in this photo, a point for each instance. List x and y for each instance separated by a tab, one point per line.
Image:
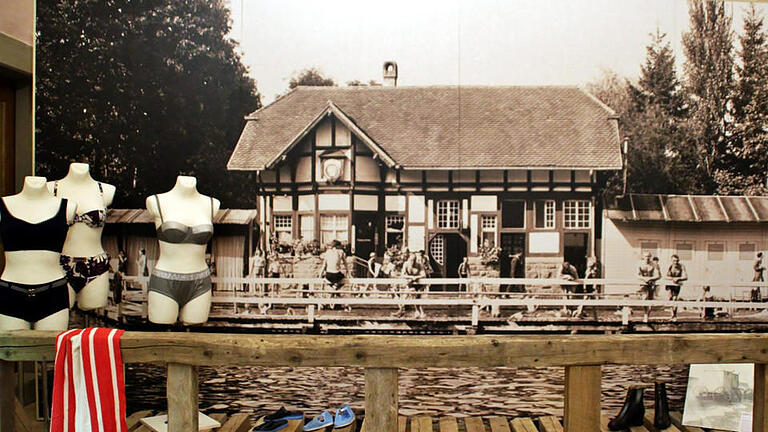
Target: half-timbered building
446	169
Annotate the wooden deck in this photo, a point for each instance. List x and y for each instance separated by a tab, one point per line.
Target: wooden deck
241	422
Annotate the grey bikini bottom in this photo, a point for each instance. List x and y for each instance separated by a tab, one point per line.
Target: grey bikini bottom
182	287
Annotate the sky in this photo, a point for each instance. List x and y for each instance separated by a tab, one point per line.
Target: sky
450	42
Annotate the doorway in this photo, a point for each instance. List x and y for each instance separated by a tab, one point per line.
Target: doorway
446	252
7	141
575	250
365	233
510	244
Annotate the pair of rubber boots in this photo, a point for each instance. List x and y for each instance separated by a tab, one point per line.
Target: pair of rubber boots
633	411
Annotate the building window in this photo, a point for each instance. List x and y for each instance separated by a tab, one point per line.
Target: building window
437	248
513	214
394	230
488	230
747	251
284	228
545	214
649	246
715	251
684	250
307	227
334	227
448	214
576	214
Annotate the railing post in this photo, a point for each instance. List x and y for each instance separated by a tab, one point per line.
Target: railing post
760	399
182	397
7	396
582	398
381	399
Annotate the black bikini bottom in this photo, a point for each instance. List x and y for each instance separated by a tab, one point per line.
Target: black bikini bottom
33	302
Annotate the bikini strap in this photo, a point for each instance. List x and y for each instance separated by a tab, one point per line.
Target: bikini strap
55	188
101	189
211	208
160	210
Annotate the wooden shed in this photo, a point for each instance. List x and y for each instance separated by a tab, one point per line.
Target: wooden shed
716	237
235	236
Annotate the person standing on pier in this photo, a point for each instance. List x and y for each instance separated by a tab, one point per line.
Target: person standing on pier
413	271
649	273
569	273
464	272
273	271
334	266
677	274
591	291
759	268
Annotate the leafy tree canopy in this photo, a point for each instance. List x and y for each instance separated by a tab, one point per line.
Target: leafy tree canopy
310	77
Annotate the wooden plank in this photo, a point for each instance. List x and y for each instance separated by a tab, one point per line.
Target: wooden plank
760	398
8	390
604	419
499	424
421	424
523	424
449	424
638	429
219	417
677	420
550	424
182	394
352	427
402	423
474	424
648	423
411	351
381	399
133	419
581	411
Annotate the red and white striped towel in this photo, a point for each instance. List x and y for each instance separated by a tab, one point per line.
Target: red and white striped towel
88	386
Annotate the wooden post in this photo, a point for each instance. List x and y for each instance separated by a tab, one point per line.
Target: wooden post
582	398
760	399
7	396
381	399
182	397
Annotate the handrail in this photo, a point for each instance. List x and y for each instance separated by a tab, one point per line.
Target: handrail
581	355
210	349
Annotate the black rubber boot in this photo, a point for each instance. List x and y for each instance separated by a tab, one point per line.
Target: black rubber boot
661	418
631	413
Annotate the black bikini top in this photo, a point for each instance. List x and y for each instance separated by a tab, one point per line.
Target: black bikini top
20	235
177	232
94	218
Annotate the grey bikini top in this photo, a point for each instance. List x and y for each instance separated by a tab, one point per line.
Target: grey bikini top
177	232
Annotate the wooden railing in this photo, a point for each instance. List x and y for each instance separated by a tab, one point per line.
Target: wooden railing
581	355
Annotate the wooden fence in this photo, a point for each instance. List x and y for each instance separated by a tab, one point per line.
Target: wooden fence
582	356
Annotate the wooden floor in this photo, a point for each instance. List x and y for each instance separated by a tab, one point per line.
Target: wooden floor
242	423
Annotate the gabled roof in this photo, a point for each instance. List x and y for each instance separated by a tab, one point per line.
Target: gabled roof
445	127
687	208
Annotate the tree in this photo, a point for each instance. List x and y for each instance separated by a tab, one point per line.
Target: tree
747	164
310	77
708	47
658	80
143	91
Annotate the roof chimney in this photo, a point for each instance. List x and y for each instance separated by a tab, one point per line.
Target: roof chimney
390	74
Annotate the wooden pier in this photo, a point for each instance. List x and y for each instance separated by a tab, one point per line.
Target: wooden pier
582	356
307	305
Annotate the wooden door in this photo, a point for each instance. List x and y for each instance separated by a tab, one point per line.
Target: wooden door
7	145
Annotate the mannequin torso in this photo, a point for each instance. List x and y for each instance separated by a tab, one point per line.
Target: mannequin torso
83	249
35	207
180	285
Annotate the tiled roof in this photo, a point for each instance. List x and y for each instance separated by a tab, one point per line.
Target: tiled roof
453	127
688	208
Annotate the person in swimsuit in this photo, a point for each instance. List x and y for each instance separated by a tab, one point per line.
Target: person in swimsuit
648	272
568	272
759	268
591	291
413	271
677	274
464	272
334	265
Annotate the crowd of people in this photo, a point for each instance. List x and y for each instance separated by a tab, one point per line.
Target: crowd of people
414	266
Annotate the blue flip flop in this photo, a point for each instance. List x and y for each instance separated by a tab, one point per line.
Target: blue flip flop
344	417
320	422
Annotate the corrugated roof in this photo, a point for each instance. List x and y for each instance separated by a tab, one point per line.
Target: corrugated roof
449	126
688	208
223	216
